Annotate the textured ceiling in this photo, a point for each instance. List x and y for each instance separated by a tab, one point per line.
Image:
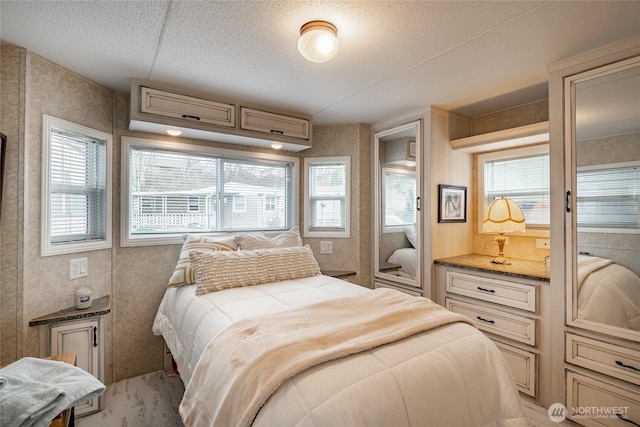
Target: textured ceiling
394	57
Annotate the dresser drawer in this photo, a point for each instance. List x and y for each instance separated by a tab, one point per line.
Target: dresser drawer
518	328
523	365
595	402
613	360
273	124
187	108
502	292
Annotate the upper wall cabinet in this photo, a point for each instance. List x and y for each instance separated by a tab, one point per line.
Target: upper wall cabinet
157	108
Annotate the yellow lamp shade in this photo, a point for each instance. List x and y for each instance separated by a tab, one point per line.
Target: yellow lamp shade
503	216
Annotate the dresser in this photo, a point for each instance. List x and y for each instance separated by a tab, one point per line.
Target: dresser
504	301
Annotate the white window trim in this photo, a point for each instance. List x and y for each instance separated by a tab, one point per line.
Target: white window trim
583	229
393	228
46	247
346	234
127	240
506	154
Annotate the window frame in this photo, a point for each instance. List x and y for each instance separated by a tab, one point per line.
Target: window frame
127	240
47	247
534	231
338	234
396	171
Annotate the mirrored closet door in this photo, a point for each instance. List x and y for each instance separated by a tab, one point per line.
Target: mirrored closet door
603	214
397	246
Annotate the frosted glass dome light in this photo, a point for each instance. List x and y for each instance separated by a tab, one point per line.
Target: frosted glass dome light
318	41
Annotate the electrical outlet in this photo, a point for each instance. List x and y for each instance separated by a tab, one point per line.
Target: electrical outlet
326	247
543	243
77	268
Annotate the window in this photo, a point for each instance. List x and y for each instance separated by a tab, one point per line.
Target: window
399	199
270	203
521	174
170	188
76	188
327	197
608	197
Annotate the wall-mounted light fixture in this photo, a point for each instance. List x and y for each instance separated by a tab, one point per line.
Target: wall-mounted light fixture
276	146
174	132
318	41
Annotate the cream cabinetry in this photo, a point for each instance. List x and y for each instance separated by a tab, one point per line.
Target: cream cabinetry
81	332
157	107
505	307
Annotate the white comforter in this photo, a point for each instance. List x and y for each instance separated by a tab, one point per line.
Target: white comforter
452	375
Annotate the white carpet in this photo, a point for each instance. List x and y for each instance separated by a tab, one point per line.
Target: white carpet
152	400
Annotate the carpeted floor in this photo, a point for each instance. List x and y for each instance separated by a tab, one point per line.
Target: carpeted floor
152	400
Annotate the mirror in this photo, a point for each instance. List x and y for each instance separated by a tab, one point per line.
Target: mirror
606	184
397	225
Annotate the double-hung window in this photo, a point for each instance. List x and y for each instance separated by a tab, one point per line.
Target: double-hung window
520	174
608	198
327	197
76	188
399	198
169	189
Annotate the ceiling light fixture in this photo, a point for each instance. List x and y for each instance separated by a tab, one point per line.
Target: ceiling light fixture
174	132
318	41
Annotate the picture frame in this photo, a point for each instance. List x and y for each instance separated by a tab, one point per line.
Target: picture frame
452	203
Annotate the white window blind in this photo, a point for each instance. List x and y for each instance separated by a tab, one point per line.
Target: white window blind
399	198
608	197
172	192
76	188
524	179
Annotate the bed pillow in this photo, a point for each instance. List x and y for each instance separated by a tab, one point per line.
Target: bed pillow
183	273
249	242
215	271
410	232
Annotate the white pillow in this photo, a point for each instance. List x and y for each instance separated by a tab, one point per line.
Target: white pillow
410	232
249	242
183	273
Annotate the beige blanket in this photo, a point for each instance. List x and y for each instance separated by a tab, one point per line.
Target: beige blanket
245	363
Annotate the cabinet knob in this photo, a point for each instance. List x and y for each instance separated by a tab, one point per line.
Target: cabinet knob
95	336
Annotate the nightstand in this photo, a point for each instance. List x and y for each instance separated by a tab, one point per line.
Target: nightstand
346	275
81	332
390	268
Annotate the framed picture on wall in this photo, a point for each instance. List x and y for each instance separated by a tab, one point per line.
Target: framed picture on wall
452	203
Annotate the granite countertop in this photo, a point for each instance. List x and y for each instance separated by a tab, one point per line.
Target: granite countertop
535	270
98	307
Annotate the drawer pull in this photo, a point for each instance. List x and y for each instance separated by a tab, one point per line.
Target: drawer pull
279	132
485	320
95	336
485	290
619	363
626	420
188	116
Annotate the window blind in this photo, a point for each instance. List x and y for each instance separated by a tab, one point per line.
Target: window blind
399	199
173	192
327	196
526	180
608	197
77	187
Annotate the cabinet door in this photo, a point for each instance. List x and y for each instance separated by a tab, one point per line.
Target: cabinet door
273	124
81	338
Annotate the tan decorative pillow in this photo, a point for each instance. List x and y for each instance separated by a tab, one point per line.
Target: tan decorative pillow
249	242
215	271
183	273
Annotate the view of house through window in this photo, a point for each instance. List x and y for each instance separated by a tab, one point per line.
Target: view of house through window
521	174
176	192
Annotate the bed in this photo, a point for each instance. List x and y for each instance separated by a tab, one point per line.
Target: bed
608	293
317	350
407	258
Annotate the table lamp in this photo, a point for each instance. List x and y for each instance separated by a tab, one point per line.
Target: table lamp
503	216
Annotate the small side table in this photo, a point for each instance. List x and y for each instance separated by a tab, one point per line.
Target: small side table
390	268
66	418
81	332
345	275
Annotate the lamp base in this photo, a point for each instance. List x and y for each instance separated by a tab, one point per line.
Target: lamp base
501	260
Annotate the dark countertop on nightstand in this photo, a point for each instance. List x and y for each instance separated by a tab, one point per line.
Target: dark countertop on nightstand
98	307
534	270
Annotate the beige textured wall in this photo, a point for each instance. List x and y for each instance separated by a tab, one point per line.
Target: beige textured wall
352	140
520	247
